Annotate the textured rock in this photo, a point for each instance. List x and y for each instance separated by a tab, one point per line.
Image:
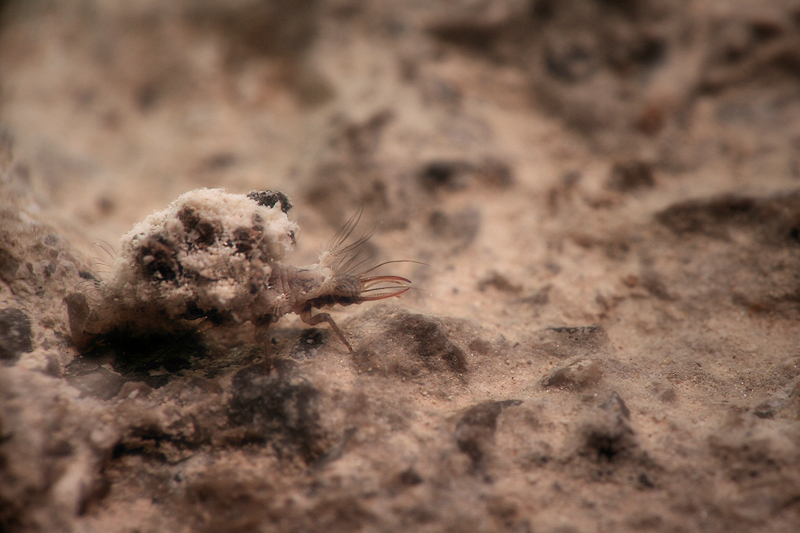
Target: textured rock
596	203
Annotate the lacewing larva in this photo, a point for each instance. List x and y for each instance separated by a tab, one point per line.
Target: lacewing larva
217	256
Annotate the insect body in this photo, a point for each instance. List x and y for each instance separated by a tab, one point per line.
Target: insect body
217	256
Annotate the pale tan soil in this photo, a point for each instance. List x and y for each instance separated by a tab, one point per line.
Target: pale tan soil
604	336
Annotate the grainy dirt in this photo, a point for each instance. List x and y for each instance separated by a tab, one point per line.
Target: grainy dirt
604	335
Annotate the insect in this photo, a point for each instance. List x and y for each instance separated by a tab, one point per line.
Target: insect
216	256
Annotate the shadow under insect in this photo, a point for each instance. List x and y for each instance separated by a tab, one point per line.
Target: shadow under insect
151	359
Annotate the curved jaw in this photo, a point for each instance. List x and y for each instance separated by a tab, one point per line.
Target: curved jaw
381	287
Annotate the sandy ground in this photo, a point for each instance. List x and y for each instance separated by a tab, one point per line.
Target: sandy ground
603	335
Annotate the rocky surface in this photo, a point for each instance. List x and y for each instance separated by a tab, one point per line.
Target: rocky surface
603	333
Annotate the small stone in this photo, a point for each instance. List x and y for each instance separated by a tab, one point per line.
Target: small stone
576	376
16	337
631	175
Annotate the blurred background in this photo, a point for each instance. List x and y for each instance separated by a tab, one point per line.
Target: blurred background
118	106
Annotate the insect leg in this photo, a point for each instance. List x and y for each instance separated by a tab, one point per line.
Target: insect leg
262	337
79	317
313	320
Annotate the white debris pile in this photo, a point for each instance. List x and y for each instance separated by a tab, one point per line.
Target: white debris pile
208	254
